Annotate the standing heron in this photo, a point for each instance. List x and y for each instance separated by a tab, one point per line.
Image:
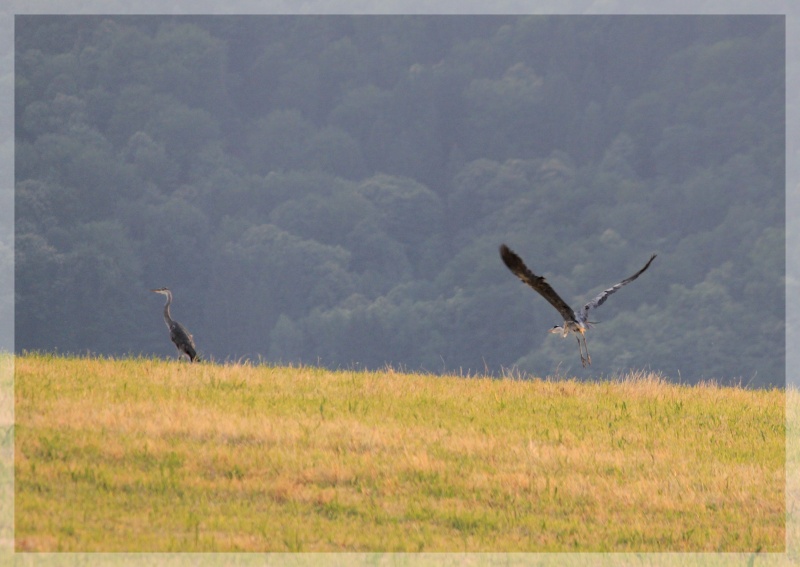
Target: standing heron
574	321
177	332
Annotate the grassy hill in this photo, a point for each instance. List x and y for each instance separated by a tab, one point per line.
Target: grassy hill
152	455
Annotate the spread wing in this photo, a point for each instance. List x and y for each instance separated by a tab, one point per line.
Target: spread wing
602	296
519	269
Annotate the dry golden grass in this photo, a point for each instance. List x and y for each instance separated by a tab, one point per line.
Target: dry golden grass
147	455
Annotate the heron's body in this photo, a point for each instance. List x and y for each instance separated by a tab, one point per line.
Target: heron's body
177	333
575	322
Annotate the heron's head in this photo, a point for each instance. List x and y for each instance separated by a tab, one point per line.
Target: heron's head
557	329
161	290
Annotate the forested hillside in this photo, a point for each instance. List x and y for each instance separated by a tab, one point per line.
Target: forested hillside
333	190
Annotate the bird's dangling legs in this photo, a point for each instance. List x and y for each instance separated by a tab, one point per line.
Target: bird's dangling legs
581	347
580	350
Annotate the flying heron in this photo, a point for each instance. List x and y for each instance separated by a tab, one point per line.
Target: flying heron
177	332
574	321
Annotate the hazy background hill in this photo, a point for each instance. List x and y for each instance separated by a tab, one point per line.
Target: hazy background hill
333	190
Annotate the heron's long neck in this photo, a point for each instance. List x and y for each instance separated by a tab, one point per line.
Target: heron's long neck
167	318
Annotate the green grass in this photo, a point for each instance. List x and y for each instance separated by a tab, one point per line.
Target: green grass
150	455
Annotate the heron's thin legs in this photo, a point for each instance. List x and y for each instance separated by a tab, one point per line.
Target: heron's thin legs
581	347
586	348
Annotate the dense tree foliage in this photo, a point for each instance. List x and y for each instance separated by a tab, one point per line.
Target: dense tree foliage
333	190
